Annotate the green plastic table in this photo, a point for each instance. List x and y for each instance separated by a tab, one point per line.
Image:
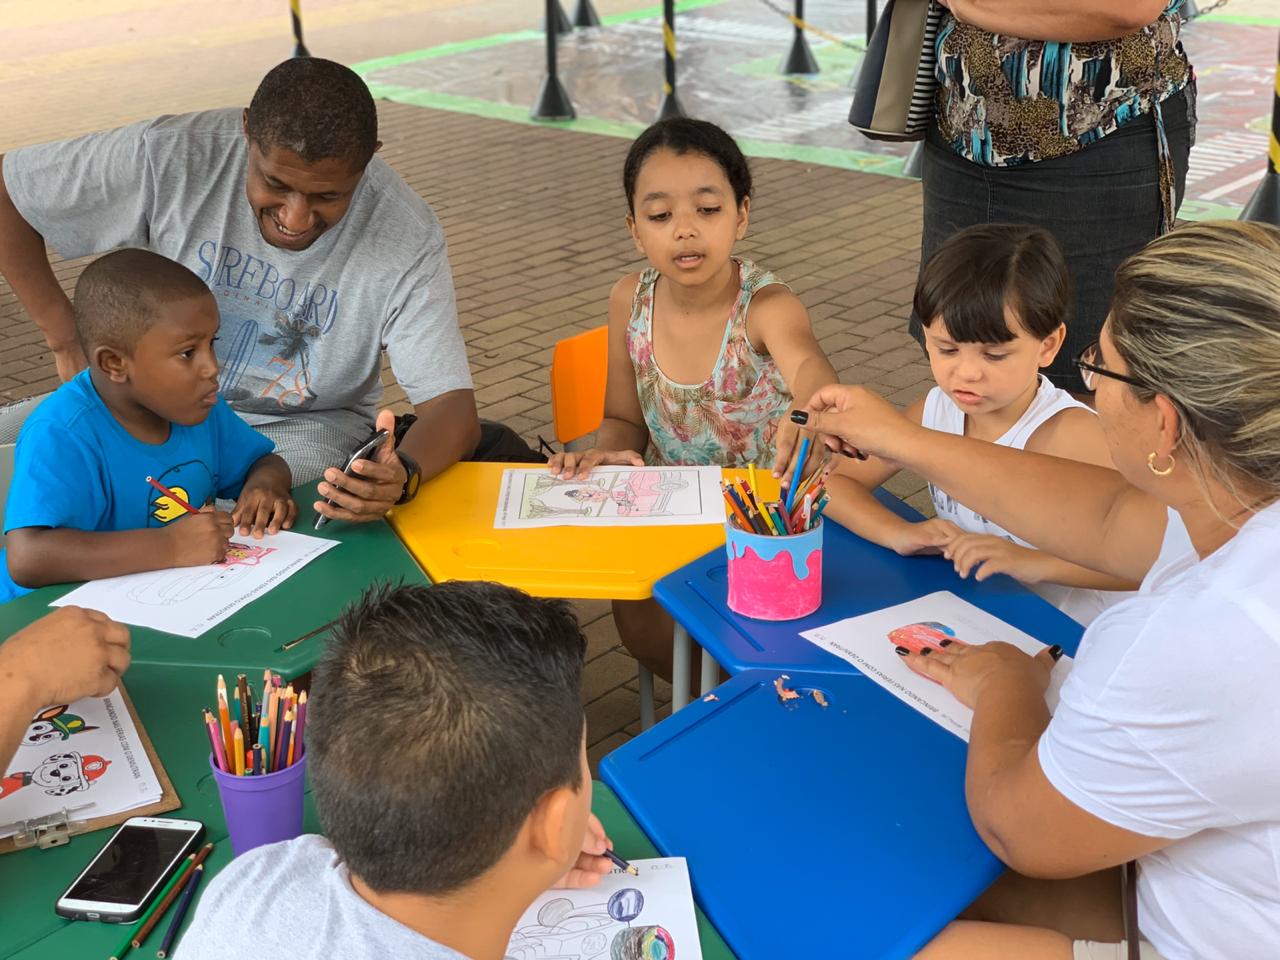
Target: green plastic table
266	631
168	700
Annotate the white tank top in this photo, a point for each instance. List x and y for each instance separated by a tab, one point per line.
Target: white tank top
943	414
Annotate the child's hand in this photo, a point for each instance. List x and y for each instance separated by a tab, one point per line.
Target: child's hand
984	556
263	509
592	863
923	538
576	466
788	439
201	538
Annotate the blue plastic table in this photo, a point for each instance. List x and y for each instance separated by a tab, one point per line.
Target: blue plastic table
857	577
810	832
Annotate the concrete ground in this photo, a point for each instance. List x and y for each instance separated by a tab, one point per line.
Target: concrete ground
534	215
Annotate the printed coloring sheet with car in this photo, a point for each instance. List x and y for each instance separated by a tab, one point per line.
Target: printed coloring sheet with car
611	497
189	600
645	917
869	642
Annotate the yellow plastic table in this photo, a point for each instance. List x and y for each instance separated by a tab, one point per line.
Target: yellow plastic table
449	530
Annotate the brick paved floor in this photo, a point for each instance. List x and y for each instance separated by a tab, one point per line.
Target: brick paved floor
534	218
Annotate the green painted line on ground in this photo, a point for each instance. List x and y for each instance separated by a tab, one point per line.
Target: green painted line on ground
1241	19
364	68
820	156
1200	210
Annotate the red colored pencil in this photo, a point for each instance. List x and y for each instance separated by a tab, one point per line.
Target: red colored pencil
171	495
215	741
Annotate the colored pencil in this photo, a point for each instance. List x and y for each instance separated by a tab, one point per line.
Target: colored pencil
171	891
237	715
751	477
179	914
237	744
224	716
621	864
735	510
753	504
246	708
171	495
801	457
293	740
300	723
285	732
132	939
215	741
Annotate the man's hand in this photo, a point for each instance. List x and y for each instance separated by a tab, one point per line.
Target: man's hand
578	465
69	654
198	539
375	487
592	863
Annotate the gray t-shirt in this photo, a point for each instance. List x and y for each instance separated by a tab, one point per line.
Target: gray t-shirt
301	330
295	898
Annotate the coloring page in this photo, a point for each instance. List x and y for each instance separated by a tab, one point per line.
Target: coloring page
869	642
611	497
189	600
647	917
86	753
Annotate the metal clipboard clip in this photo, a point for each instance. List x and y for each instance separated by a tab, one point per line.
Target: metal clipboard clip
51	830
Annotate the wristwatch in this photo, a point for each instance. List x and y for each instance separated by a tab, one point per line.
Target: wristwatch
412	481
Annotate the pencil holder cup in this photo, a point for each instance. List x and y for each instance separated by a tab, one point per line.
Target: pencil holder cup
774	578
262	809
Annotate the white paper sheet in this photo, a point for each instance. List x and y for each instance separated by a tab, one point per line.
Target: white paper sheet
189	600
611	497
649	916
87	752
864	642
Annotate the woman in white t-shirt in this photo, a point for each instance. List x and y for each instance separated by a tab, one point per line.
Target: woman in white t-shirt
1163	748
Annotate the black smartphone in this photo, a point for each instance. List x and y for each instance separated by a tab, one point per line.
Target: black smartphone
127	873
364	452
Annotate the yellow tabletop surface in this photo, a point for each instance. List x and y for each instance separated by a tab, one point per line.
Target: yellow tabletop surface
449	530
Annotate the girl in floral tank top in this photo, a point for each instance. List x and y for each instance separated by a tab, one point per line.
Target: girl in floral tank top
707	351
731	418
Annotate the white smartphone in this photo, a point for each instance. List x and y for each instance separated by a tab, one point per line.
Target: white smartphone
120	881
364	452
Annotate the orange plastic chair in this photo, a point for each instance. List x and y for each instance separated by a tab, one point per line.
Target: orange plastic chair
579	367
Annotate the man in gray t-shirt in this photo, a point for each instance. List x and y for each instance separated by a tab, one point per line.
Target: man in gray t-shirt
319	256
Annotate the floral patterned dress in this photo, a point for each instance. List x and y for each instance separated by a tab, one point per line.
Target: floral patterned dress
731	418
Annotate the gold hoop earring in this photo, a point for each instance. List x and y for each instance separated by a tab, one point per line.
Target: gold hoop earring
1151	465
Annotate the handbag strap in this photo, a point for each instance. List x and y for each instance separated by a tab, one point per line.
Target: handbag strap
1129	905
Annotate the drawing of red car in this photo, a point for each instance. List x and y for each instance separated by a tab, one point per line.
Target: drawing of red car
647	494
916	636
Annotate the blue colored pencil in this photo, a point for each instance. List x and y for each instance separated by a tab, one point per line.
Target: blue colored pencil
800	461
175	923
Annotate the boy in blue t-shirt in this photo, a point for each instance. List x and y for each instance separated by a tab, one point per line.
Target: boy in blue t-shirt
80	506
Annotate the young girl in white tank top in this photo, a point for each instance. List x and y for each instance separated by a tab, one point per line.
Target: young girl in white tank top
993	302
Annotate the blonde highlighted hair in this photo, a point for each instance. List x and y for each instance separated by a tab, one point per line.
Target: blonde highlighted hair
1196	316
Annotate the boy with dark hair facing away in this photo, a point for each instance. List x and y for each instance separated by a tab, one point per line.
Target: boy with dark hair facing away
447	759
80	506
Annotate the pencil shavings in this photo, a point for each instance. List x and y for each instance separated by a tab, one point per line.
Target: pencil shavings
709	698
785	693
819	698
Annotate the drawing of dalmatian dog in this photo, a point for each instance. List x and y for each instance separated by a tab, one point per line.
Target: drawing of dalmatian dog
53	723
59	774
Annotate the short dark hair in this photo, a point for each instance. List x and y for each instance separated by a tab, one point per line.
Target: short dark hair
119	297
319	109
683	135
440	716
980	269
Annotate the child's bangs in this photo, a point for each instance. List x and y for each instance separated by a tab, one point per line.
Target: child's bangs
976	316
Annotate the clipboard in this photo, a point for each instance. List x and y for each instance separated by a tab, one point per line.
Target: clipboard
168	801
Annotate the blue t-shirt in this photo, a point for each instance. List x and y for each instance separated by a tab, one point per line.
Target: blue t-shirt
77	467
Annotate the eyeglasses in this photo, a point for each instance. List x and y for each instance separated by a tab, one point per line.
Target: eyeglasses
1090	365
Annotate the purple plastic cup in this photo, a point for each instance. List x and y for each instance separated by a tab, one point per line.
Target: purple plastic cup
262	809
